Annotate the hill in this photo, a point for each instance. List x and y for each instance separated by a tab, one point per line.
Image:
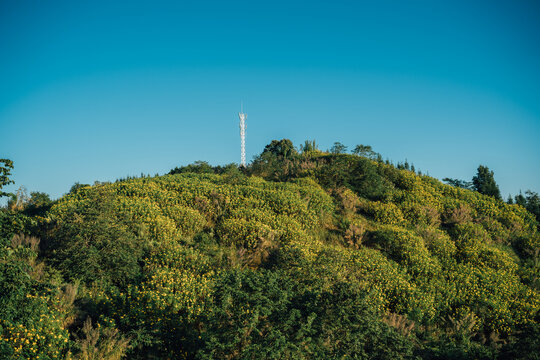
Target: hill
300	255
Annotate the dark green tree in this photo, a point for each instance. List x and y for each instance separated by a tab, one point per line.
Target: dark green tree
38	198
283	149
199	167
96	242
406	165
228	169
38	203
530	201
459	183
277	161
338	148
6	166
484	182
309	145
357	173
367	151
520	199
533	203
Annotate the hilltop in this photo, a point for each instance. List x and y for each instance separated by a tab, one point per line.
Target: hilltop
301	255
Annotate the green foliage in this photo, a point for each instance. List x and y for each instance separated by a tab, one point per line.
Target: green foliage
365	177
338	148
277	161
484	182
5	172
75	187
526	345
32	311
309	146
101	343
459	183
365	151
405	248
531	202
198	167
268	315
101	233
38	204
89	241
282	149
298	256
13	223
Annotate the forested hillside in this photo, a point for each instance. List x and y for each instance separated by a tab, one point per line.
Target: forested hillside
301	255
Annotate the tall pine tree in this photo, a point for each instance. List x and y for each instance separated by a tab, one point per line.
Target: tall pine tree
484	182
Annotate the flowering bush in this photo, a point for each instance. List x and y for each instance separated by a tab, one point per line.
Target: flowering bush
224	266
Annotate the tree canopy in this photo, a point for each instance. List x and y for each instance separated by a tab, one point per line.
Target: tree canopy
6	166
484	182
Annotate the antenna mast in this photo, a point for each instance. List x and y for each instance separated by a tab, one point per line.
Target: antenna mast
243	118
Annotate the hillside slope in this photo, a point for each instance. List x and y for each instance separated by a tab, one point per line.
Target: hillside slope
332	256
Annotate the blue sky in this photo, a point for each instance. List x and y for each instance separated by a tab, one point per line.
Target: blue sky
103	89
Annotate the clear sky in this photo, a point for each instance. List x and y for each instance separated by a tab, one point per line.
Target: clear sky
97	90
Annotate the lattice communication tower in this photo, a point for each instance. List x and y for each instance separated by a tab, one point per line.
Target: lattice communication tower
243	118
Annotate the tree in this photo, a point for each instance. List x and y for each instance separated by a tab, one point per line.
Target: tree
5	173
531	202
521	200
198	167
338	148
459	183
367	151
18	200
277	161
364	150
229	169
38	203
283	149
75	187
484	182
309	145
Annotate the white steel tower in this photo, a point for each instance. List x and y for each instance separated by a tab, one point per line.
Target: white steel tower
243	118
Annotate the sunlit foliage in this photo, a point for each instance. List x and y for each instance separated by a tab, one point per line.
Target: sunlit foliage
300	256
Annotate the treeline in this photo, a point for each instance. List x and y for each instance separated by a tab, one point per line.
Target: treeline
303	254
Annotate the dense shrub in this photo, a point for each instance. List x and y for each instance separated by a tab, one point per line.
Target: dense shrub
405	248
92	242
268	315
33	311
